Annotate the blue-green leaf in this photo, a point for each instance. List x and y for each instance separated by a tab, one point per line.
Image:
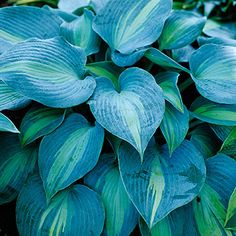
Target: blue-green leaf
229	145
98	4
163	60
127	59
72	5
168	82
80	33
205	40
105	69
213	68
20	23
39	121
68	153
159	178
180	29
214	113
183	54
205	140
128	25
49	71
222	131
15	165
225	30
10	99
134	112
74	211
174	126
206	214
230	222
210	206
121	215
4	45
7	125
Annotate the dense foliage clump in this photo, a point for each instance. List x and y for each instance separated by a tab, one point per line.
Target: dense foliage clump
118	117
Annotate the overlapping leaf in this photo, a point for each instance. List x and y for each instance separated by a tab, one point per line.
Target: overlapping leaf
134	111
7	125
213	68
214	113
74	211
121	215
49	71
39	121
161	184
128	25
181	29
80	33
20	23
15	165
68	153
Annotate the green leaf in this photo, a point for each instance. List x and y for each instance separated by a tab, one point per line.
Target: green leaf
16	163
68	153
230	222
39	121
205	140
134	112
20	23
105	69
229	145
174	126
213	69
80	33
151	184
128	25
10	99
7	125
168	82
49	71
74	211
210	206
181	28
121	215
221	131
214	113
163	60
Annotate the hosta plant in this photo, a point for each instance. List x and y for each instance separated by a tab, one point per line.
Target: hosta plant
118	117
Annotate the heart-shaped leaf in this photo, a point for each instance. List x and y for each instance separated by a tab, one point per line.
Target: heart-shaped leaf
128	25
159	178
134	112
16	163
74	211
214	113
39	121
180	29
205	215
20	23
174	126
49	71
7	125
68	153
121	215
213	68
